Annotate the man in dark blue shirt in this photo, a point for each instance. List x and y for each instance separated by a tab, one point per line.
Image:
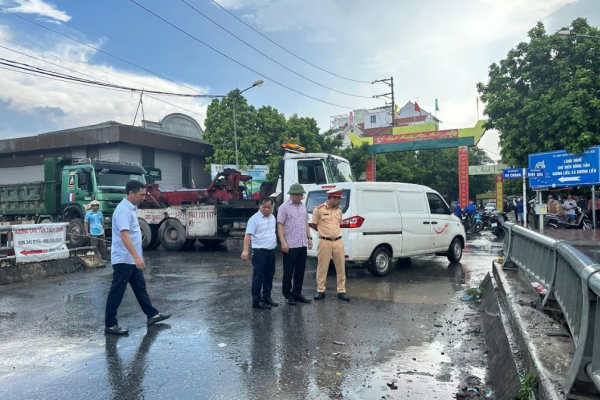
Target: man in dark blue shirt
470	209
457	210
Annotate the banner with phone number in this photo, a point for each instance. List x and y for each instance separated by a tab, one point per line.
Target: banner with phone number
33	243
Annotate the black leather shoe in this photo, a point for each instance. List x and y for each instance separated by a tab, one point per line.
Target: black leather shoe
115	330
319	296
262	305
270	302
160	317
343	296
290	301
302	299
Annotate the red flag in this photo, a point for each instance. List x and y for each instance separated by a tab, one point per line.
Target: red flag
417	108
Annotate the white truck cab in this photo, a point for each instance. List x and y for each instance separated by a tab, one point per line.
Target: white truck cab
383	221
310	169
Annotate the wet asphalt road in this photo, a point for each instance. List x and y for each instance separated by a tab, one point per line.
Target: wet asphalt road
408	329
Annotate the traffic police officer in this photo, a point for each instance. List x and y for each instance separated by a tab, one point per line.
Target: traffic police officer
326	221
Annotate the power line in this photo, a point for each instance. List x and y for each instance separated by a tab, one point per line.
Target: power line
41	71
81	73
270	58
236	61
70	62
100	51
286	50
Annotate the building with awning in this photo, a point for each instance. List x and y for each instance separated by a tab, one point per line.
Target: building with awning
174	145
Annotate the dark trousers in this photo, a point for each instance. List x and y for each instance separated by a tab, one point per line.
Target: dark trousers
263	271
123	274
294	263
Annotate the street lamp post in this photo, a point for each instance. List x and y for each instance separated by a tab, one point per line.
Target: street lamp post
255	84
566	33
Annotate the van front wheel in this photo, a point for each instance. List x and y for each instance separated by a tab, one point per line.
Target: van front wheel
381	261
455	250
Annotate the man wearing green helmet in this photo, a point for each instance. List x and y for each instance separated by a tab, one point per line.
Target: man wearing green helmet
294	235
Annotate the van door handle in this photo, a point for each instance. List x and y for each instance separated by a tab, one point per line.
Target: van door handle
434	223
425	222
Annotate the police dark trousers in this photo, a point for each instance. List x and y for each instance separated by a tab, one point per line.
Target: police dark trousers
294	263
263	271
123	274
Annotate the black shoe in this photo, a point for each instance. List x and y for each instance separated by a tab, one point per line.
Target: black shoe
290	301
160	317
302	299
319	296
343	296
270	302
262	305
115	330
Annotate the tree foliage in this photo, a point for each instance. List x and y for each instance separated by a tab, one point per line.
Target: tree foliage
261	132
545	95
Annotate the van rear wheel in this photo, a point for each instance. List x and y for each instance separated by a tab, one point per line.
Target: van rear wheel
381	261
455	250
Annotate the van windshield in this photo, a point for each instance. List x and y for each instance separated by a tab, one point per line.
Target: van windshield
318	197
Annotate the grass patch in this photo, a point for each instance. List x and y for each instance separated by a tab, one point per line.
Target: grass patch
529	383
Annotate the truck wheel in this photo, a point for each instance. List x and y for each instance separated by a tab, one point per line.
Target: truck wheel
211	243
381	261
172	234
154	240
455	251
146	233
76	233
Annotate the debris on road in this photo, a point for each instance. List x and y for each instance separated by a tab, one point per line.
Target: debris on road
339	343
467	298
393	386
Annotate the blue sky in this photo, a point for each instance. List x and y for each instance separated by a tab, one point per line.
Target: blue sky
434	49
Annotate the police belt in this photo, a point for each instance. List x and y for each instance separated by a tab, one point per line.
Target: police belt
330	239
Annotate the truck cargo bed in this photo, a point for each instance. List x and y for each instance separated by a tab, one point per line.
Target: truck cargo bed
22	199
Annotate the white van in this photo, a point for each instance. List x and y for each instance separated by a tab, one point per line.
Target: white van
383	221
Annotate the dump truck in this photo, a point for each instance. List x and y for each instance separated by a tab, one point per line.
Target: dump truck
64	191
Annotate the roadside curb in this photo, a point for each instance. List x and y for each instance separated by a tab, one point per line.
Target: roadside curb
546	356
81	258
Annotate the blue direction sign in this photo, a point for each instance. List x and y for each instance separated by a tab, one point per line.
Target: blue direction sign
512	173
563	169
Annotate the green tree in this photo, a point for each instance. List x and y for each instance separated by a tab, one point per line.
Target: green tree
545	95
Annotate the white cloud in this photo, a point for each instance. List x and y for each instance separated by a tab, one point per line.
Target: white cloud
68	105
437	49
39	7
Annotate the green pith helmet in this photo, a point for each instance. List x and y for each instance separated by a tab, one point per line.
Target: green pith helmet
296	188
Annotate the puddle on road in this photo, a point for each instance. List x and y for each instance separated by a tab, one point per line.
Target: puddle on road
422	372
433	292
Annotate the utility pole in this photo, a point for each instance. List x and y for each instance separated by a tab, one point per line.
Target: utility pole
390	82
390	96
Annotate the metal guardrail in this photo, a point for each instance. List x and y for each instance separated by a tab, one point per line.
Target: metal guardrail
572	280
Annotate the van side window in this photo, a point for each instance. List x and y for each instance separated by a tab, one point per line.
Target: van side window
437	205
379	202
412	203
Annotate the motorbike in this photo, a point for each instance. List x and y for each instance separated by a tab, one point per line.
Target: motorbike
496	226
556	221
472	224
486	218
